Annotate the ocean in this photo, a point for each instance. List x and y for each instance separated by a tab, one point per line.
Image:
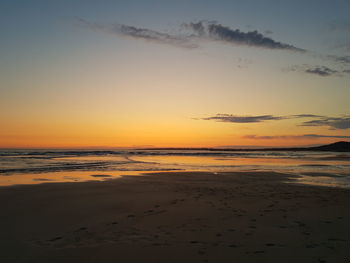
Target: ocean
47	165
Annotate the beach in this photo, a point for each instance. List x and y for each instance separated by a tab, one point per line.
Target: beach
176	217
175	131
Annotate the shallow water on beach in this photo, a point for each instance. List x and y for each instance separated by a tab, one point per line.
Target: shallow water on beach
39	166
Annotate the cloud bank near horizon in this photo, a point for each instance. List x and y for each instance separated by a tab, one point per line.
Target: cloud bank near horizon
302	136
339	123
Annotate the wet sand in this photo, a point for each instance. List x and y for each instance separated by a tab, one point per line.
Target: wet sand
176	217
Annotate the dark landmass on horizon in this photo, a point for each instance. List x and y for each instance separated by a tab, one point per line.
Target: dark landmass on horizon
341	146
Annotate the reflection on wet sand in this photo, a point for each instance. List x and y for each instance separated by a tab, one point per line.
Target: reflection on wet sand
34	168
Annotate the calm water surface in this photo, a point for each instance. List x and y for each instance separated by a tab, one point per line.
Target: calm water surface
39	166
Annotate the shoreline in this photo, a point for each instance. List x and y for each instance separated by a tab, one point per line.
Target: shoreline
323	179
197	216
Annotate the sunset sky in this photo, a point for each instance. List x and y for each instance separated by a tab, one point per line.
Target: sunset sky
174	73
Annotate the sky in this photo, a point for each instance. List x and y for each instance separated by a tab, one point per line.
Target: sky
174	73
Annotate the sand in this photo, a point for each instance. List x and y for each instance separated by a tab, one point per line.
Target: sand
176	217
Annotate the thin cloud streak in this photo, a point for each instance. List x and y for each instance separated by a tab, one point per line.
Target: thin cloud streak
321	71
266	137
339	123
242	119
139	34
305	116
303	136
326	136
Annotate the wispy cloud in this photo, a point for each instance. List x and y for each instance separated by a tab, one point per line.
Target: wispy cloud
305	116
321	71
266	137
339	123
303	136
218	32
242	119
139	34
195	33
326	136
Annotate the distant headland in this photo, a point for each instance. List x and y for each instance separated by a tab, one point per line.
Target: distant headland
341	146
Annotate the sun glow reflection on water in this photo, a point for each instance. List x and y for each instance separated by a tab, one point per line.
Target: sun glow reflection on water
318	168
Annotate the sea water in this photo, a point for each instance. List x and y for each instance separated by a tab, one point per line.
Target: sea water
47	165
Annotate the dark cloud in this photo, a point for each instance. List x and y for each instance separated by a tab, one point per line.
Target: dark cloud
316	120
305	116
196	31
340	123
322	71
311	136
139	33
242	119
259	137
207	30
218	32
326	136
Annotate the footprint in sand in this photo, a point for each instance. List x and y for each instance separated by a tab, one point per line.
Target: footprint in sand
270	244
233	245
55	239
81	229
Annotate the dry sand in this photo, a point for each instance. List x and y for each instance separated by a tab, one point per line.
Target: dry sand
176	217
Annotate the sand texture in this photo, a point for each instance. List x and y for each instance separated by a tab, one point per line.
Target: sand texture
176	217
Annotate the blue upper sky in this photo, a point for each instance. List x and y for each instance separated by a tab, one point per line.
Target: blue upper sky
301	22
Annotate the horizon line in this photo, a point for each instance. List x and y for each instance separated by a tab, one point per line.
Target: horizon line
164	147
